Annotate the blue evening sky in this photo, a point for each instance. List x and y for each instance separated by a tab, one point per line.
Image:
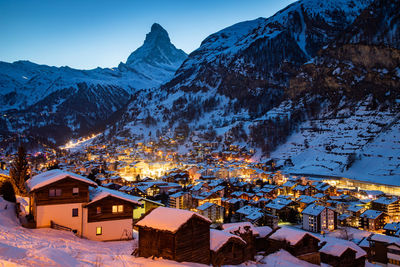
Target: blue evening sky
89	33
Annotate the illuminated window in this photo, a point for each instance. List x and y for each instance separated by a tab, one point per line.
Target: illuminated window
98	211
75	191
117	208
74	212
99	231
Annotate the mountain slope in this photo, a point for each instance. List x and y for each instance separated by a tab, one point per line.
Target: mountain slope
256	58
60	102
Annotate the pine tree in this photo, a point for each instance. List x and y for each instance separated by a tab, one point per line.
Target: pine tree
19	172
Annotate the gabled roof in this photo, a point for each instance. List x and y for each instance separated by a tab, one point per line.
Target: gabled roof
168	219
99	193
219	238
291	235
371	214
313	210
52	176
335	249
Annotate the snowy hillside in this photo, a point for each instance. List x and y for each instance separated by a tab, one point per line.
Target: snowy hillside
253	60
357	142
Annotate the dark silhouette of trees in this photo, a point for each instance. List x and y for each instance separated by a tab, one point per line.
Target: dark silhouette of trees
19	172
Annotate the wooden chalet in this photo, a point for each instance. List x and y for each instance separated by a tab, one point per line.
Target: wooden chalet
300	244
372	220
247	232
226	248
343	255
58	196
174	234
68	201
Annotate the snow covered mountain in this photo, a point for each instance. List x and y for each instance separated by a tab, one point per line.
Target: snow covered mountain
313	84
253	60
59	102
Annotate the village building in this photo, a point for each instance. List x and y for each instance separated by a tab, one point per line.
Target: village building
389	205
299	243
372	220
318	218
174	234
342	253
68	201
212	211
226	248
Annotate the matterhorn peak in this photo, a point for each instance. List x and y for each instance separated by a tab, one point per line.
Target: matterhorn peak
157	49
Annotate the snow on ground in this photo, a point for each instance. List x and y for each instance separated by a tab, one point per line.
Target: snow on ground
48	247
326	146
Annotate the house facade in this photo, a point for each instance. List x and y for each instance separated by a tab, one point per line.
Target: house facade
68	201
318	218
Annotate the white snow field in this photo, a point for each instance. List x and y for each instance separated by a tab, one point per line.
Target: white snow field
48	247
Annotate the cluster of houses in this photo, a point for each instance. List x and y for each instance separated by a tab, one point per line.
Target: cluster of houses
220	221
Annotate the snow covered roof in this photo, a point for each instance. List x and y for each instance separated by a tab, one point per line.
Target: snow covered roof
52	176
386	200
385	239
205	206
291	235
371	214
168	219
263	231
313	210
395	226
247	210
219	238
354	208
99	193
306	199
335	249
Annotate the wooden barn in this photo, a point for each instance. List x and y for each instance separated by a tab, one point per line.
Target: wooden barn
247	232
300	244
226	248
337	254
174	234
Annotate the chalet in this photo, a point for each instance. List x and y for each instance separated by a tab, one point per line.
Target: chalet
287	188
226	248
342	253
393	254
304	201
299	190
391	228
379	249
247	232
174	234
281	207
388	205
324	188
109	215
318	218
372	220
212	211
299	243
68	201
58	196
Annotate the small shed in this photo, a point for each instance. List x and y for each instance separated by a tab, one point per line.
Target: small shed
226	248
174	234
299	243
337	254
